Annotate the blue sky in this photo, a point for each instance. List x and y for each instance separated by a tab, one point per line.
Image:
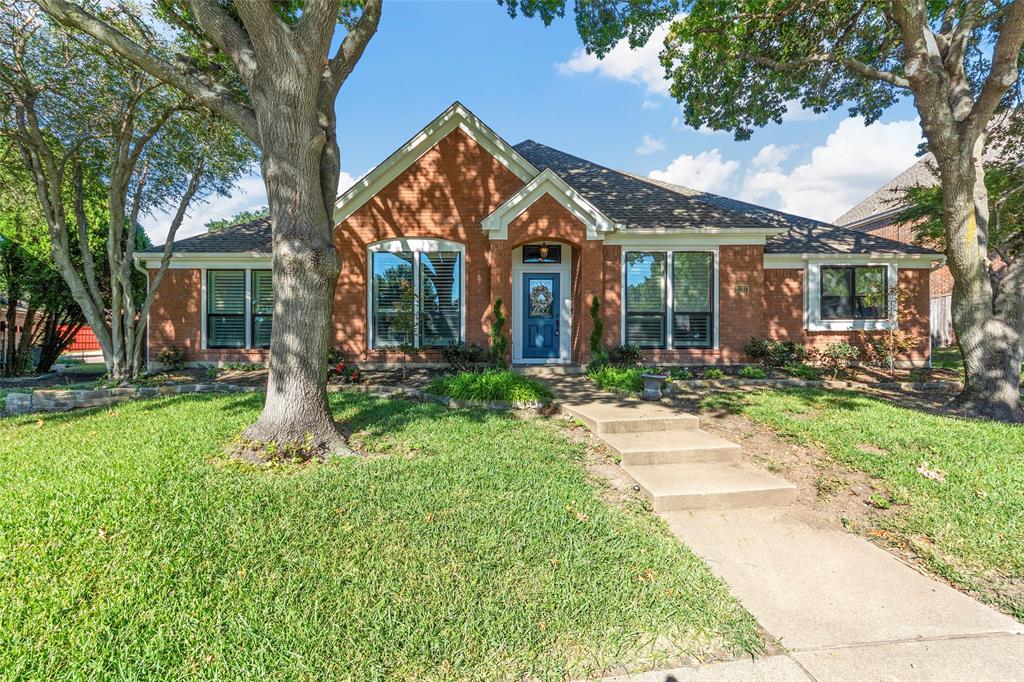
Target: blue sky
528	81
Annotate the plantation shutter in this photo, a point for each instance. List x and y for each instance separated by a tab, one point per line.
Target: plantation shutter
225	308
692	283
394	299
645	299
441	298
262	307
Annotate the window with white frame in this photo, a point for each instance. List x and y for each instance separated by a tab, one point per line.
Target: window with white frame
853	292
416	296
237	302
669	300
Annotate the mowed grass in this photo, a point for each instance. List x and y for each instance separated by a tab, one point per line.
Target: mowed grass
469	545
958	484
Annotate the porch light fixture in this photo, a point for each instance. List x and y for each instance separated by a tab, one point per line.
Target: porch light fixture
543	251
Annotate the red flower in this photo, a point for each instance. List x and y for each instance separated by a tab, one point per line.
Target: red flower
339	368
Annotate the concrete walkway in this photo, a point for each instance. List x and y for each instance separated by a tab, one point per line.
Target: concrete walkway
843	608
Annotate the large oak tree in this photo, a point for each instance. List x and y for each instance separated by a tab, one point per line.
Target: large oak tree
268	68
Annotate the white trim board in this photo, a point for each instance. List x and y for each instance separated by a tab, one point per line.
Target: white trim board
797	261
455	116
812	301
548	183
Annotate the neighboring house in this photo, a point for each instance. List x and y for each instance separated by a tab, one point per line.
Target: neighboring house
457	218
877	214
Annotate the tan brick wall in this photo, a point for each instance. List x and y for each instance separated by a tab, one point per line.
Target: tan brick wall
784	311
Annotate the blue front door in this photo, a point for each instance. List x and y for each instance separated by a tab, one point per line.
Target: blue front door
540	316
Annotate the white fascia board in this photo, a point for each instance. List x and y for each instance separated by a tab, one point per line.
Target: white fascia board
193	261
547	182
455	116
788	261
689	237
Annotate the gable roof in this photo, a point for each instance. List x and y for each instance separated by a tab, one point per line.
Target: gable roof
251	237
886	199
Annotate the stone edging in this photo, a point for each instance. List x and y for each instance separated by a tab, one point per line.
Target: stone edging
673	385
53	400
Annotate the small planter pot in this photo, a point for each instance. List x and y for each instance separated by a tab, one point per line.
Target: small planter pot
653	384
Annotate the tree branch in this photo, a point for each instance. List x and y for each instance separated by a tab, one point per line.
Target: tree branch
1003	72
352	47
229	36
854	65
215	98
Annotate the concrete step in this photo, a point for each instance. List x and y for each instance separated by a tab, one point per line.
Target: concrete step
542	371
667	447
629	417
710	485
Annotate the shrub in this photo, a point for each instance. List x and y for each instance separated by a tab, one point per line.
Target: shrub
626	356
713	373
490	384
334	356
801	371
499	344
882	348
680	374
346	374
462	356
598	355
172	357
773	353
616	378
752	373
838	356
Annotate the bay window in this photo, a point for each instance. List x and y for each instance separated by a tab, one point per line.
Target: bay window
669	301
416	296
853	292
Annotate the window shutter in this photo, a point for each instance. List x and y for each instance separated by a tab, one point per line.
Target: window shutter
645	299
262	307
441	298
691	299
225	308
393	298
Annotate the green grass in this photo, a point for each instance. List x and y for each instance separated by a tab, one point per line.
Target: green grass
968	527
491	384
470	545
947	358
617	379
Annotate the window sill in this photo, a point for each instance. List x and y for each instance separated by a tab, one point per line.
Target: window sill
849	325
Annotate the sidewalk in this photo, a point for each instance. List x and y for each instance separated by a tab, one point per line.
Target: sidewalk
843	608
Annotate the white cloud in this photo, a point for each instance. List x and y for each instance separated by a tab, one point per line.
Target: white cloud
770	156
650	145
705	171
248	194
623	63
796	112
649	104
853	162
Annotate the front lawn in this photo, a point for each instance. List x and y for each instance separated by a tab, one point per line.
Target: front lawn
467	545
957	485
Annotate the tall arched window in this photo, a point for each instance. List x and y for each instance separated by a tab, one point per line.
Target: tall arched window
416	293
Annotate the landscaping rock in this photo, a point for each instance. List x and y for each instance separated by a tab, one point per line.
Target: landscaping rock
18	403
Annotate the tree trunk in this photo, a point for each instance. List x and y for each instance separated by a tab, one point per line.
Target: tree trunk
305	271
990	342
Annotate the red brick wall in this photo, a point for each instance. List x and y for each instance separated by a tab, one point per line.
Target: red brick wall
176	317
783	303
445	195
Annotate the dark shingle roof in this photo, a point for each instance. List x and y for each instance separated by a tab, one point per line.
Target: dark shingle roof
631	200
254	237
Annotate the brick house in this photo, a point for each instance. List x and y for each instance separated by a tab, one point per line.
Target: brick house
457	218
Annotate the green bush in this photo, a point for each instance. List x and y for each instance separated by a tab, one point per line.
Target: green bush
752	373
617	379
713	373
463	355
499	344
172	357
626	356
680	374
491	384
801	371
837	356
773	353
598	355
